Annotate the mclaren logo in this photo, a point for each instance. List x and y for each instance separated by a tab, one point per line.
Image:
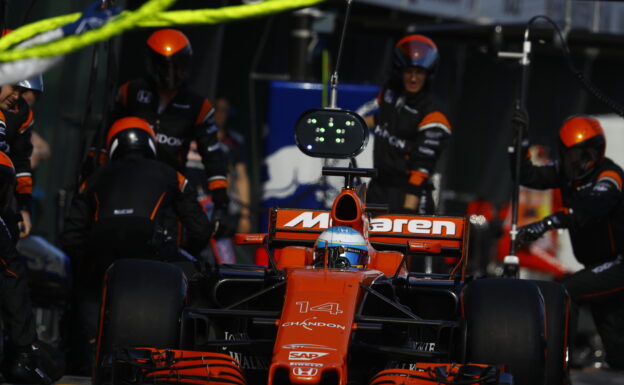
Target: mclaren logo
305	356
415	226
309	220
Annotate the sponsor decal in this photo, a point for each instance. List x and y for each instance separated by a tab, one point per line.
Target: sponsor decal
310	324
246	361
306	372
144	97
426	150
123	211
415	226
388	96
607	265
393	140
183	106
307	346
309	364
424	346
308	220
411	110
305	356
168	140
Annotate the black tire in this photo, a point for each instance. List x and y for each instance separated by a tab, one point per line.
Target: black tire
557	302
505	321
143	300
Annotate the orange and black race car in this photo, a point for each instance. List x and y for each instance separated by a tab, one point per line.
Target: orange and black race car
406	313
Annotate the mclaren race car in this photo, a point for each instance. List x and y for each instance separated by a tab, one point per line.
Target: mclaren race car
316	315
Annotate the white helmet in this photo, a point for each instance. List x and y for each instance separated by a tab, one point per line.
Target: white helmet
345	247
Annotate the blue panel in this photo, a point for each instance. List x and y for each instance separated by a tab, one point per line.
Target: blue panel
291	178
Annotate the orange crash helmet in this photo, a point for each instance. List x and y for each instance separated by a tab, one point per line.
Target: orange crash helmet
169	55
131	135
415	51
582	146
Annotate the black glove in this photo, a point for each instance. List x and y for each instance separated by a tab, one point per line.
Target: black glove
531	232
220	198
535	230
218	218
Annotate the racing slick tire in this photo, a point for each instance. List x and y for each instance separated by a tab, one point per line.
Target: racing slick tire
141	306
557	302
506	326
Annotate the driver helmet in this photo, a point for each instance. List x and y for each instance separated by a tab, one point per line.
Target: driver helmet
582	146
131	134
345	247
169	55
415	51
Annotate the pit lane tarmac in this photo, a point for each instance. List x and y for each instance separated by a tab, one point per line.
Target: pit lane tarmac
584	377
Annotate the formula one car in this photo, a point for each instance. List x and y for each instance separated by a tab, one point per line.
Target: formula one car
333	313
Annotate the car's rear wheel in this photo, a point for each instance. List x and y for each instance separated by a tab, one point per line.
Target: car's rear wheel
557	302
505	321
142	303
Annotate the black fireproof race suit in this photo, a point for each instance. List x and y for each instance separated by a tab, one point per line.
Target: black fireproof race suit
129	208
15	141
15	302
594	217
187	117
410	133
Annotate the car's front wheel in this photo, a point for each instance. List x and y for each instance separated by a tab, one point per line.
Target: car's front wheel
142	303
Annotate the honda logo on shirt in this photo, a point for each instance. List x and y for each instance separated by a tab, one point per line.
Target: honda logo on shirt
305	372
144	97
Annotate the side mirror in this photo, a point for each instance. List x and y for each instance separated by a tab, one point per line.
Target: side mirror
331	133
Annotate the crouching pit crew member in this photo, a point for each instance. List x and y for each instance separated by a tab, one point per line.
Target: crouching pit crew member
591	188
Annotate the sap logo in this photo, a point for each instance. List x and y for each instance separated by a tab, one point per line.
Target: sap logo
308	220
414	226
305	372
168	140
305	356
